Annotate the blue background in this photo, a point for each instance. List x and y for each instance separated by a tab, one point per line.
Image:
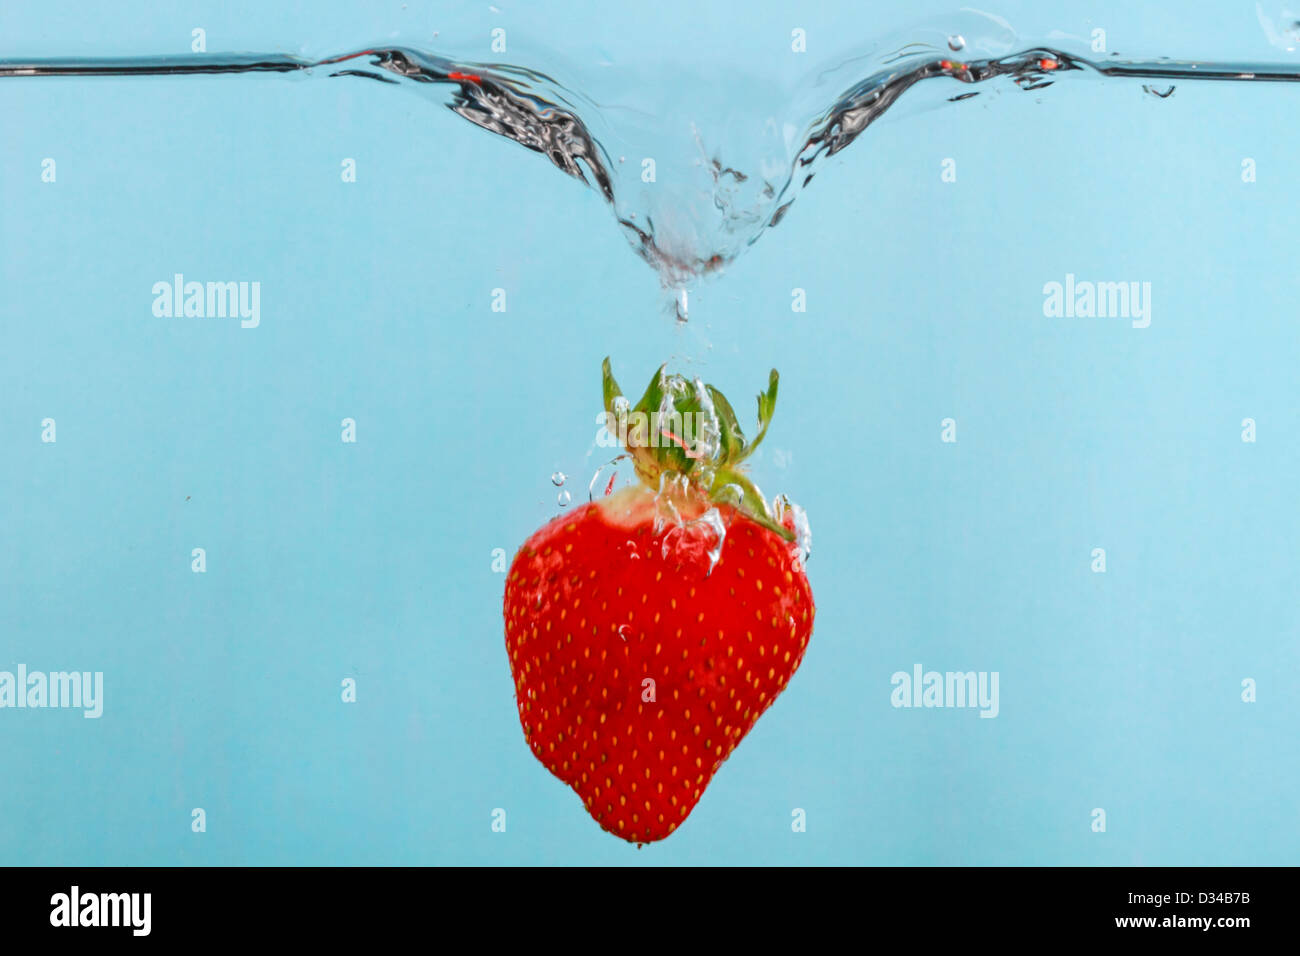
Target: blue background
374	561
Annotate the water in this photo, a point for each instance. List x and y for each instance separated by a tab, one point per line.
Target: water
537	112
923	301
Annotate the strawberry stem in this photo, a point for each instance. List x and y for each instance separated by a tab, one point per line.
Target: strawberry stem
682	427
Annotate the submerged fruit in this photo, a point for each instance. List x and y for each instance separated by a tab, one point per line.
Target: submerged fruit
648	630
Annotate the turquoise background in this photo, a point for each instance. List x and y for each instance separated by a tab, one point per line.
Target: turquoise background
374	560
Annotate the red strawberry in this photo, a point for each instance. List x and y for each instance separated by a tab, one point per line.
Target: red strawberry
641	652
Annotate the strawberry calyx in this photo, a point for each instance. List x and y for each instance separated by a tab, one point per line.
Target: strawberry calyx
686	443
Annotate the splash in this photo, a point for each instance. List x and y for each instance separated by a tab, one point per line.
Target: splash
801	549
710	201
697	543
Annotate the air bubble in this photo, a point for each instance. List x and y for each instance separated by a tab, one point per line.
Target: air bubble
603	481
563	499
558	478
956	42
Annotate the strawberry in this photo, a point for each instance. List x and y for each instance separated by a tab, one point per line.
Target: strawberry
649	630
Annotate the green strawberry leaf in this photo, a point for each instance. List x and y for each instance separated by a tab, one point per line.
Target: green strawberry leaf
732	439
654	393
655	433
751	499
766	409
610	384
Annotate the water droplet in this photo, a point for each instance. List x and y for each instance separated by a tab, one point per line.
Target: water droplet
956	42
563	499
557	478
